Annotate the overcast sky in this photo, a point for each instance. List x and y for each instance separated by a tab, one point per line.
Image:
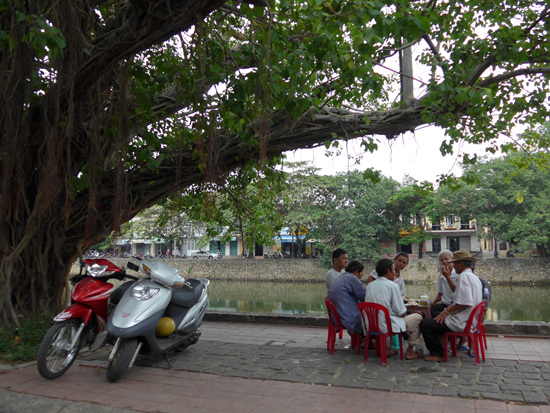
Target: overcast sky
416	155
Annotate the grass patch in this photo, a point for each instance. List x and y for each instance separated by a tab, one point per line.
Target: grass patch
21	344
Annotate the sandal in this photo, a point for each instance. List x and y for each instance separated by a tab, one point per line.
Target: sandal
415	356
434	358
391	353
461	347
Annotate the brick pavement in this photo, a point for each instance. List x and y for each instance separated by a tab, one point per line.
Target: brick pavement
257	367
506	380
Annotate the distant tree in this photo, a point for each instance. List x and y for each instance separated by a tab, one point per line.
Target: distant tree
512	200
106	245
349	212
508	197
406	209
247	203
159	223
302	188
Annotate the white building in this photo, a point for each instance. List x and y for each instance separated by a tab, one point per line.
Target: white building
453	234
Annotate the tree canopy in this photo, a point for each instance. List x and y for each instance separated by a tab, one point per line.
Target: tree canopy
161	223
352	215
406	210
108	107
343	210
509	199
247	203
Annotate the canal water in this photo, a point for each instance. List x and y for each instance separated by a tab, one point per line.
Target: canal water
509	302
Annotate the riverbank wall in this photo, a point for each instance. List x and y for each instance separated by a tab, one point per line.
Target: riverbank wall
494	270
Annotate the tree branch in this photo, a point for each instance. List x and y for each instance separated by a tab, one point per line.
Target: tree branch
515	73
433	48
478	71
137	27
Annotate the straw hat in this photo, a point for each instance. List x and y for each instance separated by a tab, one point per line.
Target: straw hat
462	255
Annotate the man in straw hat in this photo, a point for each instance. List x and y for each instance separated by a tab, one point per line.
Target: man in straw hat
454	318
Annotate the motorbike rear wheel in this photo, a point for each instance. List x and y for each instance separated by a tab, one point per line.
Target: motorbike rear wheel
57	352
120	363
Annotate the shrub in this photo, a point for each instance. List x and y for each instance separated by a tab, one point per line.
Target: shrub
21	343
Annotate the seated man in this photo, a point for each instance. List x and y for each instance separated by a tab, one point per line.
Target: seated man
339	263
445	284
346	292
386	292
454	318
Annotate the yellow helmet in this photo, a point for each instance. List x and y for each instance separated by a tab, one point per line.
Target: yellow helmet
165	327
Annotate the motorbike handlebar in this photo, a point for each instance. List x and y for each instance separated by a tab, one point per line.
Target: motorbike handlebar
132	266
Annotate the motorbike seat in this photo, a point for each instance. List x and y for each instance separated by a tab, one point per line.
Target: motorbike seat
188	295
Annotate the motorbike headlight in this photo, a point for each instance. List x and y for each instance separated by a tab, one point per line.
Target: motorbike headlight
143	292
95	270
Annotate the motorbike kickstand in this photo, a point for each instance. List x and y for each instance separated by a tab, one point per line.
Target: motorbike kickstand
168	360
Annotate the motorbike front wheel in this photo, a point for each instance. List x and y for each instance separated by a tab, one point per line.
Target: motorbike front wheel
57	352
120	363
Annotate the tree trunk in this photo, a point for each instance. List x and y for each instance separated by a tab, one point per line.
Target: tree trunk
33	276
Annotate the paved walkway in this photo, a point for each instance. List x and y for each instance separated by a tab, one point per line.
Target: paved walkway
243	367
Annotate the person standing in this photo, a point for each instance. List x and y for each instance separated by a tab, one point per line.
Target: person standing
445	284
339	263
453	318
346	292
386	292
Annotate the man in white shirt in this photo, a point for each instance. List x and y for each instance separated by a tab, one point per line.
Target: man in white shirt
454	318
445	284
386	292
339	263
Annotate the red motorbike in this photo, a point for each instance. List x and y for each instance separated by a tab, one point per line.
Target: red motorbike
84	322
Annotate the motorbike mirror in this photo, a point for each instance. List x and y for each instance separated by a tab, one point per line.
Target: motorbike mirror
133	266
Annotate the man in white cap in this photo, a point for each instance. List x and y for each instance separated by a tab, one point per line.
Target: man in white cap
454	318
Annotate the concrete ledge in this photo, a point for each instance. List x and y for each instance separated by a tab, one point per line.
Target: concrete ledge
267	318
518	328
504	328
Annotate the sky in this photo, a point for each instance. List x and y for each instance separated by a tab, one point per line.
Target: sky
416	155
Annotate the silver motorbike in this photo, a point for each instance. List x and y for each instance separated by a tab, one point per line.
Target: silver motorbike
157	314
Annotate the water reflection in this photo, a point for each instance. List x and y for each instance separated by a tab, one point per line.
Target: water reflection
513	303
267	297
519	303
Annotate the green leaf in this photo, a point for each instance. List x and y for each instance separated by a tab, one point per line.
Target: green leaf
519	197
373	175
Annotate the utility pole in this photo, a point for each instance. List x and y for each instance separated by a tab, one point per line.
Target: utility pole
406	74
